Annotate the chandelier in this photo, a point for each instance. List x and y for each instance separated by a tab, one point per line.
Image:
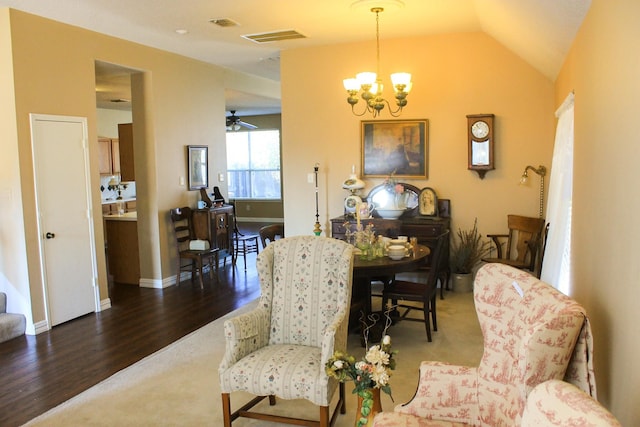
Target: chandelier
370	85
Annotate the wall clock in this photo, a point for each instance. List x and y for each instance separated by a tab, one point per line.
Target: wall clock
351	203
481	142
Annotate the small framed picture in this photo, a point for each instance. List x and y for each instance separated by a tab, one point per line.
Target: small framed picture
444	208
198	165
428	202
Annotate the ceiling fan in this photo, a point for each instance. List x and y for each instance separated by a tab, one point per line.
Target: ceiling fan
234	122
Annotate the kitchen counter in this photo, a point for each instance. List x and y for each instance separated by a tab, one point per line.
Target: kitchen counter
109	201
127	216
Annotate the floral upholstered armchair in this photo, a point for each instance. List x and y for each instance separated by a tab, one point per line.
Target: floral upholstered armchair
532	333
558	403
281	347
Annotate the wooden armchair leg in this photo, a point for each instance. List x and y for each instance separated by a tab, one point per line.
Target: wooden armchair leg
324	416
226	409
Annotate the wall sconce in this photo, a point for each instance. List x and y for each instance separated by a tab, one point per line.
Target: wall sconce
541	171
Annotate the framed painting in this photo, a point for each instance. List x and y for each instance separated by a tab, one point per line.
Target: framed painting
398	147
198	164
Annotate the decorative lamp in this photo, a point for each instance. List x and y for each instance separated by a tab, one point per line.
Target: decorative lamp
115	184
354	185
370	85
541	171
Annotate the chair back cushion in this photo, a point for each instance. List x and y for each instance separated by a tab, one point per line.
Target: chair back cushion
530	330
306	282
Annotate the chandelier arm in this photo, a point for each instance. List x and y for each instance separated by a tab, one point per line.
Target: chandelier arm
364	111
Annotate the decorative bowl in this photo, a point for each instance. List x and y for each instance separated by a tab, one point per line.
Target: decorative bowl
390	213
396	252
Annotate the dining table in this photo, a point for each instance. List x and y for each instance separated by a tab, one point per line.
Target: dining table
366	270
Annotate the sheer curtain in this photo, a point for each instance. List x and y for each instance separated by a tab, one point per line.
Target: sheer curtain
555	265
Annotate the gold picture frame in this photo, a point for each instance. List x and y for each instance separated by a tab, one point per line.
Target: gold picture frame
398	147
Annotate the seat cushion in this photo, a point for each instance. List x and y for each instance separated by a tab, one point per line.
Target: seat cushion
286	370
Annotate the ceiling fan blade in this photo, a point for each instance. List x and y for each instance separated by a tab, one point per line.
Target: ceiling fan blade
247	125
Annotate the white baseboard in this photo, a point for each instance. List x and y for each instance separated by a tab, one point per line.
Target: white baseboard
157	284
40	327
105	304
255	219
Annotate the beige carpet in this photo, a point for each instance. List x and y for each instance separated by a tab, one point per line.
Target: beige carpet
178	385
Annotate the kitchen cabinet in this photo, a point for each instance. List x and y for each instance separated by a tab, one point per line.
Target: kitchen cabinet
109	156
216	225
125	147
123	257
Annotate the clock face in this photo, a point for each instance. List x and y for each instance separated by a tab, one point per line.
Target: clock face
480	129
351	203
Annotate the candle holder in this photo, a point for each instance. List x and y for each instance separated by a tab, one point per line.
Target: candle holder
316	229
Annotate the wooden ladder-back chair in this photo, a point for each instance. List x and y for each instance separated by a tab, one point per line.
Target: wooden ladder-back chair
243	244
522	243
184	234
269	233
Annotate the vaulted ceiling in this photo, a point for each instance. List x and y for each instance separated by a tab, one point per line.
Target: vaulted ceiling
539	31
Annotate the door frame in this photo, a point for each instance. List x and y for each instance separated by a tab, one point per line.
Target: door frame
33	117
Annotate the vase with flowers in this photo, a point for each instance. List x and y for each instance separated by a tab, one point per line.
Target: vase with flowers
369	375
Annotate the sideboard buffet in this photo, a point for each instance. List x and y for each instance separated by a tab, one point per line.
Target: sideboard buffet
216	224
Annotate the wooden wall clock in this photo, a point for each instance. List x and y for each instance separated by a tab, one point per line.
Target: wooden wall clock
481	141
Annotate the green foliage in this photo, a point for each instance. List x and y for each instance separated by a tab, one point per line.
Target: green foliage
468	250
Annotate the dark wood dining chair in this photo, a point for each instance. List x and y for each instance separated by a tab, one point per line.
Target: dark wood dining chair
401	291
181	219
271	232
243	244
523	243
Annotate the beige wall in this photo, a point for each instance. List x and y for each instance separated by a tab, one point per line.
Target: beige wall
454	75
176	102
603	68
13	268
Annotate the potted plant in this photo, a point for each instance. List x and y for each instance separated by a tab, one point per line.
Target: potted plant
467	250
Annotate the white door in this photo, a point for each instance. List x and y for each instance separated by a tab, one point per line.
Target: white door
63	200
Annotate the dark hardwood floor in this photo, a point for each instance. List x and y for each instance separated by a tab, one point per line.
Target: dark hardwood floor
39	372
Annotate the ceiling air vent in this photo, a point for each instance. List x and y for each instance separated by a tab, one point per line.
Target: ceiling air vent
274	36
224	22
